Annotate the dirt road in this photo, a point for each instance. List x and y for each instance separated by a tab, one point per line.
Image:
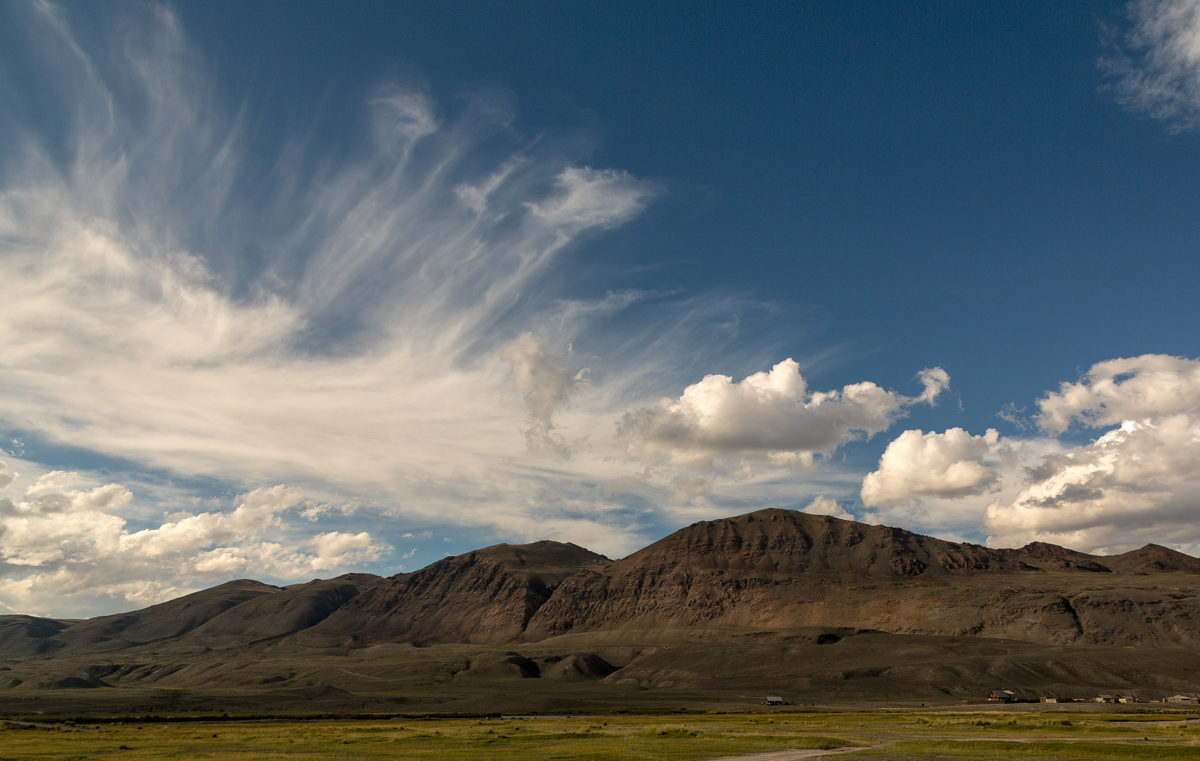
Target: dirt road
798	754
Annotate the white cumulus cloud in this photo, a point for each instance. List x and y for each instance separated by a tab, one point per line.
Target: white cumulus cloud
1137	482
770	415
1117	390
823	505
66	549
917	464
1134	482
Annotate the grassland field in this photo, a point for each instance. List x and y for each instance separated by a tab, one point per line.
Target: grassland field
866	734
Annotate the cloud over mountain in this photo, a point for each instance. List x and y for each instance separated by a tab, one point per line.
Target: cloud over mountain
949	464
1134	483
64	541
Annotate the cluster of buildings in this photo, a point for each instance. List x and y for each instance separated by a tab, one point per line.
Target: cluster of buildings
1008	696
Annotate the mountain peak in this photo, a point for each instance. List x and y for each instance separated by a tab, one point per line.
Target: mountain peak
1155	558
545	556
790	541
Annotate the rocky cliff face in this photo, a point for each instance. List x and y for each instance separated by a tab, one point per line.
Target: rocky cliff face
771	568
780	569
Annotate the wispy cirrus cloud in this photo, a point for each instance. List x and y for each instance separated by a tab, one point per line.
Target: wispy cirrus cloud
1154	61
365	345
178	301
187	295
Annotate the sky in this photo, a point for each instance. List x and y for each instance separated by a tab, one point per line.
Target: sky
289	290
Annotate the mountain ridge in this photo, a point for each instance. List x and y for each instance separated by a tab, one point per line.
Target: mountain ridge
759	569
815	604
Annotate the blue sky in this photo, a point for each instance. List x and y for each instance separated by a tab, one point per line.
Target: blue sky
298	289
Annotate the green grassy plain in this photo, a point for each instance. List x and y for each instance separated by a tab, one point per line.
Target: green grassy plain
894	735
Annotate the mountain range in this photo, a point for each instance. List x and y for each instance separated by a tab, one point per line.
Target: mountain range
776	600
